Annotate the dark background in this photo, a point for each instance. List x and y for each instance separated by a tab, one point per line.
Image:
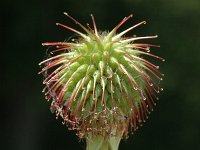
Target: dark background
25	116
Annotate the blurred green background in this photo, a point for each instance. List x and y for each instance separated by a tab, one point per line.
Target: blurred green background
26	119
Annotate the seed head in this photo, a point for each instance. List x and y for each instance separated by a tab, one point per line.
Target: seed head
99	83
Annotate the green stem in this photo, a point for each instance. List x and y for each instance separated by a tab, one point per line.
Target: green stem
103	142
98	142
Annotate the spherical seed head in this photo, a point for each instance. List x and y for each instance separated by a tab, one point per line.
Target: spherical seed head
99	83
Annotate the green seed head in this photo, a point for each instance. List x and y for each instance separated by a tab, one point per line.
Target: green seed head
99	83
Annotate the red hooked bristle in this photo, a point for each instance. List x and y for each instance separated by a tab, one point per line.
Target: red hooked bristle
94	25
56	44
118	26
129	29
138	38
77	22
69	28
